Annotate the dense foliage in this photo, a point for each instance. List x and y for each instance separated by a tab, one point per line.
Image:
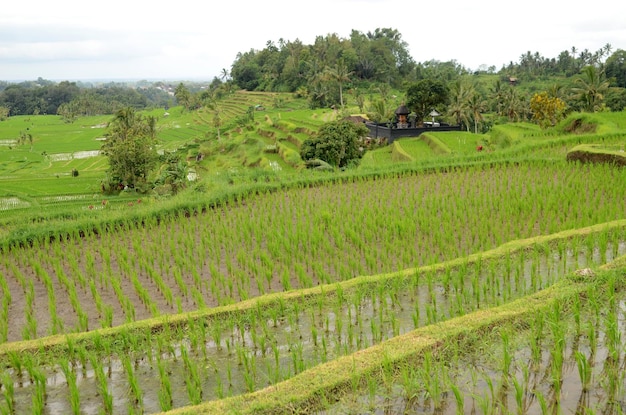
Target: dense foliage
381	58
338	72
546	110
71	99
426	95
337	143
131	149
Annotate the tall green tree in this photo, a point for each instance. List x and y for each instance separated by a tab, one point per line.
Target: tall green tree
183	96
217	121
459	108
426	95
615	68
477	106
513	104
590	88
337	143
339	74
130	147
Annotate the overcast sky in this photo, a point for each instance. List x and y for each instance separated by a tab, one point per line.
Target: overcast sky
185	40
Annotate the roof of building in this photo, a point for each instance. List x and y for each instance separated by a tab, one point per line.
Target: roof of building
402	110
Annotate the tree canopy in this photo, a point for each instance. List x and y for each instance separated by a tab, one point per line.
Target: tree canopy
130	146
379	56
337	143
616	68
426	95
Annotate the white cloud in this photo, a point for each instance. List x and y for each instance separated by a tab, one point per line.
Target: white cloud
68	39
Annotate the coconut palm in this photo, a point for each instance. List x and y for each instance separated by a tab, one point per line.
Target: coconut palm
224	74
512	105
183	96
460	94
591	88
380	111
340	74
497	92
476	105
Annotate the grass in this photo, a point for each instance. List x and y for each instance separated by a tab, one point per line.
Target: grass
41	199
58	343
133	339
306	391
460	142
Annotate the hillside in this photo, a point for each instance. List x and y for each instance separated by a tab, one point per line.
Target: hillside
279	290
260	138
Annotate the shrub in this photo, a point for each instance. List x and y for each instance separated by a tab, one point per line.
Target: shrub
337	143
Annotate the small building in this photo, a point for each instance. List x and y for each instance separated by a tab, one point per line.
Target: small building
401	117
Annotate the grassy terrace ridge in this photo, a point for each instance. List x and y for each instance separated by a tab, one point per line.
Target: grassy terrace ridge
305	391
595	153
59	343
295	122
521	180
39	226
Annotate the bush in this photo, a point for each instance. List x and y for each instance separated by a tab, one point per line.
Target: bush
337	143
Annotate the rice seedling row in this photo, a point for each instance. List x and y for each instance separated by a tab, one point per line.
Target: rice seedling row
569	359
304	237
214	359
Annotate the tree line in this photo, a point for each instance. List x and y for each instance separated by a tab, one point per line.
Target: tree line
380	61
378	57
71	99
333	70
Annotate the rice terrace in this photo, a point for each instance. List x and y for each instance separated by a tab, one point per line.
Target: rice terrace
449	273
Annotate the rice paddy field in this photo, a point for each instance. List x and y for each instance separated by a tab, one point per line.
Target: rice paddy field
485	286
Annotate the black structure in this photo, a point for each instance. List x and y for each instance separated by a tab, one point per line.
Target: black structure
390	132
405	126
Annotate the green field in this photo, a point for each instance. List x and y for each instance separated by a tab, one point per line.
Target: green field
432	278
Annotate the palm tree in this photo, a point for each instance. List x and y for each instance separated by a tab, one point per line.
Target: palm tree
476	105
224	74
339	74
591	88
458	108
314	70
555	90
318	94
380	111
513	105
497	95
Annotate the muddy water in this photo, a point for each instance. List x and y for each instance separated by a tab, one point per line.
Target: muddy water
530	387
252	354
